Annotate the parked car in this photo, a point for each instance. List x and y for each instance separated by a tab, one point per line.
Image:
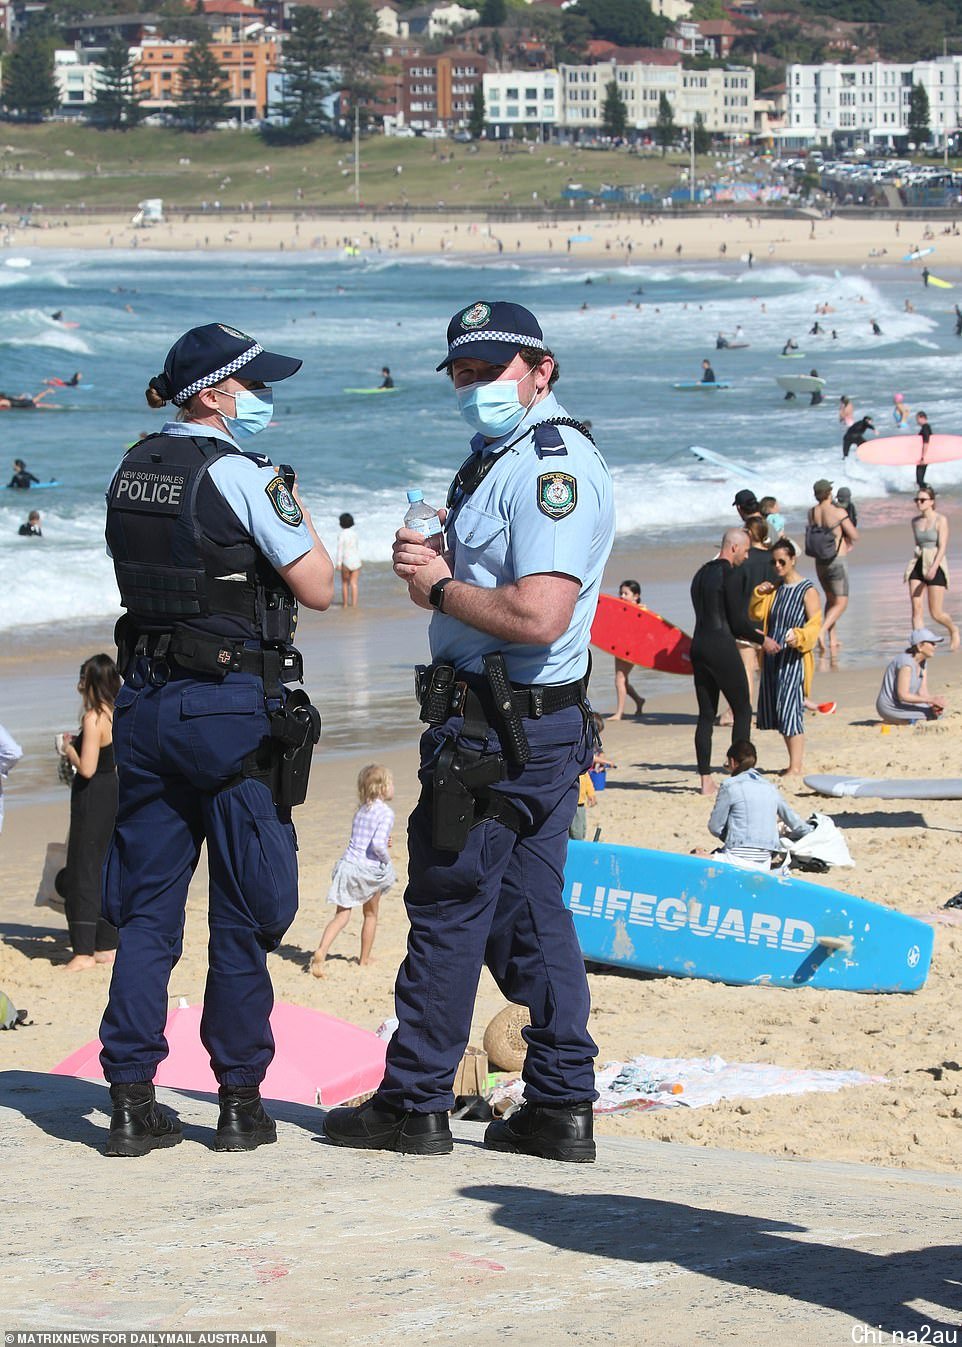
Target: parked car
434	133
463	137
408	132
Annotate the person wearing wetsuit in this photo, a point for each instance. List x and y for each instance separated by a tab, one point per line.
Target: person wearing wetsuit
856	434
386	380
707	373
21	479
716	663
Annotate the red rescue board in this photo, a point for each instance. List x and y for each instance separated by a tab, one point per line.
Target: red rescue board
632	632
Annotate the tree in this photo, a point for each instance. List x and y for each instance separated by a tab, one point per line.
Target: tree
614	111
30	89
202	99
493	13
476	117
665	128
307	61
356	49
116	103
701	136
629	23
918	118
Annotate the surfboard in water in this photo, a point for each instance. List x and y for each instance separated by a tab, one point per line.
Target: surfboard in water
690	916
371	390
632	632
730	465
35	486
699	386
895	450
800	383
881	788
939	283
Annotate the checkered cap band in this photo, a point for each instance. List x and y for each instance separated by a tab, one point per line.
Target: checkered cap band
485	334
217	375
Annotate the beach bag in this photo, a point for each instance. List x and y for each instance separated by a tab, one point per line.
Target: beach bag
10	1016
826	843
54	862
820	542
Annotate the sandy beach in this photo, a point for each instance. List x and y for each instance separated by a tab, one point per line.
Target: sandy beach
907	857
595	238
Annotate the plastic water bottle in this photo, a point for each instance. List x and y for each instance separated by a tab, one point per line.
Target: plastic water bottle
422	519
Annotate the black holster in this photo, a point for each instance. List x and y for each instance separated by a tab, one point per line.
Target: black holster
462	797
282	760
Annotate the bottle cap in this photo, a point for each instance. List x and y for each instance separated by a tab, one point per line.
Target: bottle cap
414	496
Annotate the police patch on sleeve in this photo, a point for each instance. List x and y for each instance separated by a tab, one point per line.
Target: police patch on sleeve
284	505
557	494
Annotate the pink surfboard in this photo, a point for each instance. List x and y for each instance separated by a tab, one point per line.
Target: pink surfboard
907	449
634	633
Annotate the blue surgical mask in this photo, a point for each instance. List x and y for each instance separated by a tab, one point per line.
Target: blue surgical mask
494	409
252	412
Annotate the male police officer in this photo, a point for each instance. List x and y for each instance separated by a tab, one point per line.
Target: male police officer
529	526
212	549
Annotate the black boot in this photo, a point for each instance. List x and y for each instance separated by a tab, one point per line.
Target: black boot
138	1124
553	1132
378	1126
243	1124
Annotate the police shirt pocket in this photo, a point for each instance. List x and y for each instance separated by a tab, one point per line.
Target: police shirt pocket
482	539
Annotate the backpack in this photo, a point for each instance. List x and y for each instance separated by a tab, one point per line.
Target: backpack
820	542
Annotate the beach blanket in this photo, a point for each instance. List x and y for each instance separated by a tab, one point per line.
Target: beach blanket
671	1082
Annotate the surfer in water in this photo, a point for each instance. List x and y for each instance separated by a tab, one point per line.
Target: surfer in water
31	528
386	380
816	397
707	373
21	479
72	382
19	402
856	434
790	346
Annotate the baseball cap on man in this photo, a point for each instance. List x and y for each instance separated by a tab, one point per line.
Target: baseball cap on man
920	634
207	355
746	500
823	484
492	330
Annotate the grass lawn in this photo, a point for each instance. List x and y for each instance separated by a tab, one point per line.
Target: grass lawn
55	165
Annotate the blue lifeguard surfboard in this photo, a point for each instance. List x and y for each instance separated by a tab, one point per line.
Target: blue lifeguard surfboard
688	916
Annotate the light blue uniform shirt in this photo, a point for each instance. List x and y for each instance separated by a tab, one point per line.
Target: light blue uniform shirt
517	523
242	479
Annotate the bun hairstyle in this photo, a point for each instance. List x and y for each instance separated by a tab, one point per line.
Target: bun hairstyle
159	391
742	754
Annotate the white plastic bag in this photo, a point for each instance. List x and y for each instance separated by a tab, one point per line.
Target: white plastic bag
826	842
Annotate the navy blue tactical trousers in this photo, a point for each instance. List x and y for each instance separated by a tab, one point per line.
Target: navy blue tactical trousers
175	746
498	902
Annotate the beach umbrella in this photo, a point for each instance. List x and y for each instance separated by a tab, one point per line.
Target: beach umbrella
319	1059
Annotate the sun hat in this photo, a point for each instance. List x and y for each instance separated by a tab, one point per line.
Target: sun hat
920	634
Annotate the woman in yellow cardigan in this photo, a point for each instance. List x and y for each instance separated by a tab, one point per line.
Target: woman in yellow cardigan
790	613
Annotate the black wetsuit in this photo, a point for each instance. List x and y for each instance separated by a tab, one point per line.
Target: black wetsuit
22	480
720	616
925	430
29	531
856	434
709	376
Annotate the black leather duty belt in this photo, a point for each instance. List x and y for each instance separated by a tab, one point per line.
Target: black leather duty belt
443	691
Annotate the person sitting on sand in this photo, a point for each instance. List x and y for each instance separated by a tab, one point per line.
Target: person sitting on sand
904	696
747	813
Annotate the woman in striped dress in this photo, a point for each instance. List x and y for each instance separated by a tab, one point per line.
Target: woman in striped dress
790	614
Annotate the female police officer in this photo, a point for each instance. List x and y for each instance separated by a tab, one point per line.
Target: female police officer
529	529
212	549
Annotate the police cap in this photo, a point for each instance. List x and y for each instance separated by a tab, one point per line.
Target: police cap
492	330
207	355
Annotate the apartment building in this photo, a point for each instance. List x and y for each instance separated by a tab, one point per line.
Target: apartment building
245	65
439	90
725	97
870	101
521	98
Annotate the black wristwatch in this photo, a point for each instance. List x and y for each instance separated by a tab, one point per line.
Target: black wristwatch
436	596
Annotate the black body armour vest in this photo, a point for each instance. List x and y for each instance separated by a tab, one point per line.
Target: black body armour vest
174	538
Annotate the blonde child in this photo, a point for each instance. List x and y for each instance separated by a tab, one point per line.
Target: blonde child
364	872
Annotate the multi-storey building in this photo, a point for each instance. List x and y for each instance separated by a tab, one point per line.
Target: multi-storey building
245	67
725	97
439	90
870	102
521	98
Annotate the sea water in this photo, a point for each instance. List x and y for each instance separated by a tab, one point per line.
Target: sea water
645	327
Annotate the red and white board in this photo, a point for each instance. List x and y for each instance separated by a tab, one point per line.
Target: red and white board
632	632
907	449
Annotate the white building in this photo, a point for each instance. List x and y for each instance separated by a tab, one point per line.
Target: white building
76	80
725	97
672	10
871	101
439	20
521	98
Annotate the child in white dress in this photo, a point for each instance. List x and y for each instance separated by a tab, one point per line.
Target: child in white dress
364	872
348	560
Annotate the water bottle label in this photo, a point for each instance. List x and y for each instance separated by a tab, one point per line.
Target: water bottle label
428	527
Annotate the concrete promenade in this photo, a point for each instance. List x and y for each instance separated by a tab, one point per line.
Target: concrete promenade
655	1243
